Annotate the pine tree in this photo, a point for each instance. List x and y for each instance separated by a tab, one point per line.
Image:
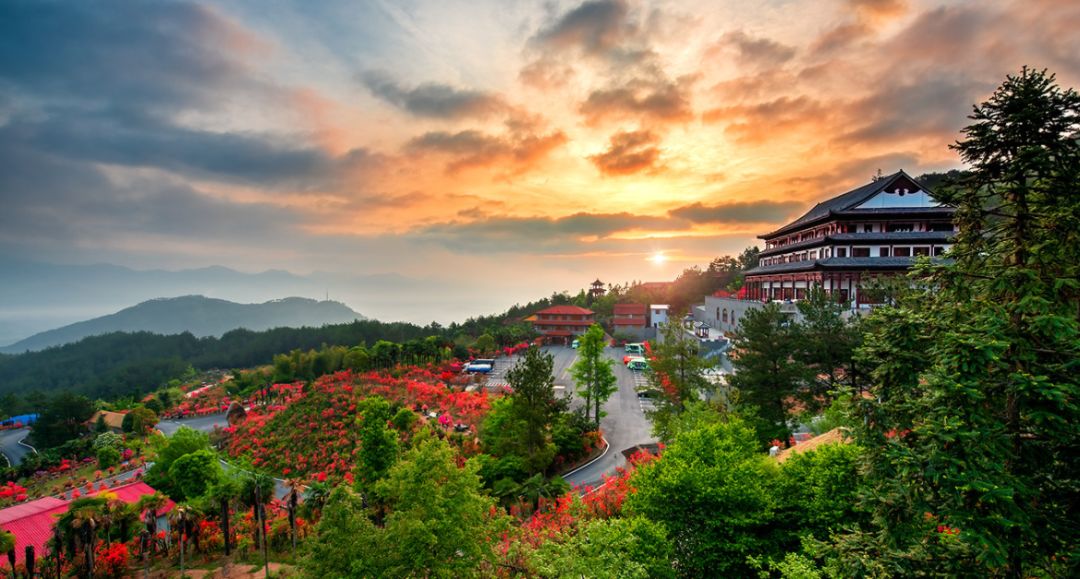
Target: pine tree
972	450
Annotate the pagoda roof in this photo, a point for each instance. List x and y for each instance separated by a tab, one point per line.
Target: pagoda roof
846	202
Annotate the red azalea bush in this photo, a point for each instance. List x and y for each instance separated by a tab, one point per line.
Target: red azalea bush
11	493
311	431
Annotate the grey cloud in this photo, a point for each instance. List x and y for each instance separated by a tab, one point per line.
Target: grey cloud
651	100
934	106
49	200
147	142
629	152
739	212
112	54
754	51
596	27
536	234
433	100
472	148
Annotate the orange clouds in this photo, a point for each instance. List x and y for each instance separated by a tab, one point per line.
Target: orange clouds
630	152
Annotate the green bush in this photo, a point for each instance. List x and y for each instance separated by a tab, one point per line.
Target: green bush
108	457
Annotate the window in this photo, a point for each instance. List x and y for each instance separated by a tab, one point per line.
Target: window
860	252
895	227
921	251
867	228
717	313
939	250
841	252
883	252
725	316
902	251
940	226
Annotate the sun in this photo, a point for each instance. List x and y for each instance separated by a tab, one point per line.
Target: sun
658	258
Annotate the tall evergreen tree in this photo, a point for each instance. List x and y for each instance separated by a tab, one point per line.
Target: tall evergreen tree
593	372
533	402
678	372
972	451
767	374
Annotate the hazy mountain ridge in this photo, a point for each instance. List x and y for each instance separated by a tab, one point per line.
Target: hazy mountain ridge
199	315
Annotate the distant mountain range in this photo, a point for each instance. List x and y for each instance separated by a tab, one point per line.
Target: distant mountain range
202	316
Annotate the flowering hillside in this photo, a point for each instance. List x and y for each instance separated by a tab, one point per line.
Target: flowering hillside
312	432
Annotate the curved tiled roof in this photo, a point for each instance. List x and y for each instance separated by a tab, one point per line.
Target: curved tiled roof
845	202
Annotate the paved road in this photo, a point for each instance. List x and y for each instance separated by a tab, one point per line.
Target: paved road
206	424
201	423
624	426
10	447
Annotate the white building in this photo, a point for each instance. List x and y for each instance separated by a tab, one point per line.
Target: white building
658	314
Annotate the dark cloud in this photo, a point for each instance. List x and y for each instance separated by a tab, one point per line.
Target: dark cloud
933	106
139	141
598	27
433	100
150	55
49	200
629	152
640	99
739	212
472	148
500	234
754	51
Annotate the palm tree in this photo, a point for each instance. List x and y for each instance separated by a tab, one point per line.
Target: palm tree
85	522
77	528
180	519
7	545
224	492
294	493
315	498
151	504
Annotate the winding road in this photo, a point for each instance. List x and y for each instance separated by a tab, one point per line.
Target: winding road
624	426
11	445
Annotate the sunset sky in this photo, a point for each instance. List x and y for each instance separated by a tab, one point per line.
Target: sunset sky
503	148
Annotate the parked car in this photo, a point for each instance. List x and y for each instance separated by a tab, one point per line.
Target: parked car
480	366
638	364
634	349
575	344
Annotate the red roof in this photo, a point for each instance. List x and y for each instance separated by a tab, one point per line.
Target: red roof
542	323
627	309
640	322
567	311
32	522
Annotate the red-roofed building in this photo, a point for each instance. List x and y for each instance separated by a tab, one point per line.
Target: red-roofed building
630	318
32	522
560	323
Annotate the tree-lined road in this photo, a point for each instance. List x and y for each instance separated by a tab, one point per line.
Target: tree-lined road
624	426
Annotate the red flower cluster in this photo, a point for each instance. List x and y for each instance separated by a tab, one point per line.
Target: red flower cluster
11	493
313	432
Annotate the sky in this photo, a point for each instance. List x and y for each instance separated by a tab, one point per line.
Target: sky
489	151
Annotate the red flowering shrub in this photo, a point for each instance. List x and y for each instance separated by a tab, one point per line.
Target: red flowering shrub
312	432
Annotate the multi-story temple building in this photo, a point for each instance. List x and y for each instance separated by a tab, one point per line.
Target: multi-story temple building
877	229
558	324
